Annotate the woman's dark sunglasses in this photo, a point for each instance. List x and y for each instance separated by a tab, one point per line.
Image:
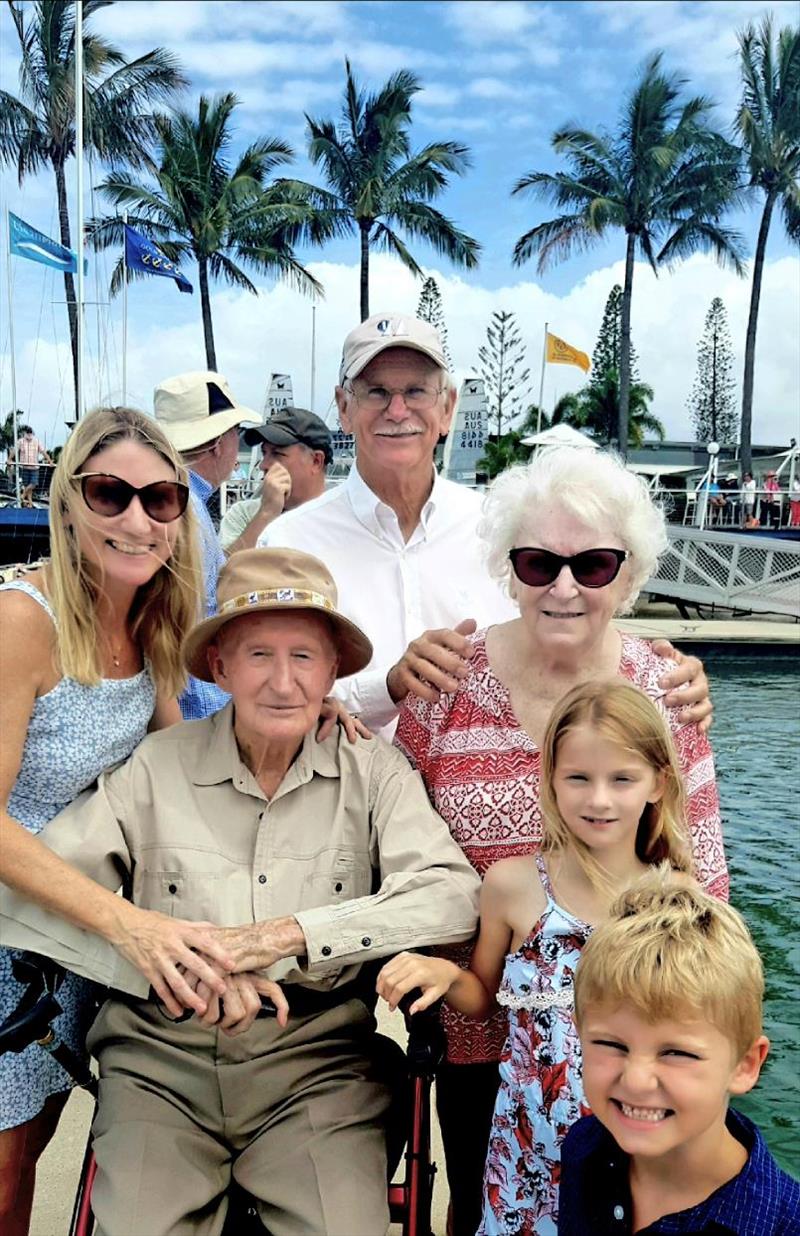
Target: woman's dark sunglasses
109	495
594	568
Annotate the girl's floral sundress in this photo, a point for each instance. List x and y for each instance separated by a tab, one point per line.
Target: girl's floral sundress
540	1093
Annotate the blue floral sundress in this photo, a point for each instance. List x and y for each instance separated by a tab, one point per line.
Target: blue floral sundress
74	734
541	1093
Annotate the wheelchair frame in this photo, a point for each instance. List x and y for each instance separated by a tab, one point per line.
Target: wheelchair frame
409	1199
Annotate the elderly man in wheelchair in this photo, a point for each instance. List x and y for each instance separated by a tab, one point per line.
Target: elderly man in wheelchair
328	855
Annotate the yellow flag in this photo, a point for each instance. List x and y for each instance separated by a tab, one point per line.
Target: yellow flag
560	353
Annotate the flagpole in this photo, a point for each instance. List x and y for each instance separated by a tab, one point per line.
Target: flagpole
124	310
17	490
541	380
313	354
79	189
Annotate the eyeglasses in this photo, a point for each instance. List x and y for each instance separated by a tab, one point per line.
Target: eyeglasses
378	398
594	568
109	495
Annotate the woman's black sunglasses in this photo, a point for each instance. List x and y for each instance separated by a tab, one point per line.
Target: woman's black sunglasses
594	568
109	495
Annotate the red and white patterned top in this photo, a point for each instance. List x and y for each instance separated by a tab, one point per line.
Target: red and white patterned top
482	769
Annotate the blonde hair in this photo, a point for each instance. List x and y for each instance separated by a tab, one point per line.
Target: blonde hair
592	486
164	608
669	948
623	715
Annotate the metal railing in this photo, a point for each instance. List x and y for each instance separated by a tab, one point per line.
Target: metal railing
743	572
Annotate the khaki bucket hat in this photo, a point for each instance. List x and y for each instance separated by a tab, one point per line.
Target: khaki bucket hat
268	581
195	408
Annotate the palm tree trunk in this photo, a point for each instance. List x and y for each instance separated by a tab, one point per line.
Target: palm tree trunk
69	282
364	226
746	434
205	308
625	348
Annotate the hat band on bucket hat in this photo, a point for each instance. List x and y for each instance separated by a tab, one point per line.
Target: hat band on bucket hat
278	596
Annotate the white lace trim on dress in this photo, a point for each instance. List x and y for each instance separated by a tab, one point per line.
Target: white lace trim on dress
539	1000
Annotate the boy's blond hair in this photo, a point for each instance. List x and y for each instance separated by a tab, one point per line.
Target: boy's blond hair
624	716
669	948
164	608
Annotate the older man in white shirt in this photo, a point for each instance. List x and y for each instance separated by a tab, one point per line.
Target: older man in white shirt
401	541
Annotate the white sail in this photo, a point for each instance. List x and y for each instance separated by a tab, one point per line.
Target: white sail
466	440
279	394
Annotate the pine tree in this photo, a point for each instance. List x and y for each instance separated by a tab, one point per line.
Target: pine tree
501	358
606	355
712	402
430	309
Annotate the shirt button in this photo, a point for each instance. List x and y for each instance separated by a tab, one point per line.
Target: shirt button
326	950
173	888
262	879
619	1213
366	941
337	888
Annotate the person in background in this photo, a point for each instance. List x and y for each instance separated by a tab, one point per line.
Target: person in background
574	536
748	500
794	502
295	451
201	418
89	662
770	501
26	454
668	1001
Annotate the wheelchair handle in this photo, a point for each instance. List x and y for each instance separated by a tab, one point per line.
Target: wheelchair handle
427	1046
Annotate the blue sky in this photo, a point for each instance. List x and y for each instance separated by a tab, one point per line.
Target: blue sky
498	76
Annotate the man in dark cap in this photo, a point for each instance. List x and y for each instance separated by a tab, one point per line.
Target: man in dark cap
295	450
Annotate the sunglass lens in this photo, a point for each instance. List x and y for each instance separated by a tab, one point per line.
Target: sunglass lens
164	500
106	495
535	567
595	568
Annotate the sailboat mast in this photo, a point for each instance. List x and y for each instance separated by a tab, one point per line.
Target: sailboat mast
79	193
17	487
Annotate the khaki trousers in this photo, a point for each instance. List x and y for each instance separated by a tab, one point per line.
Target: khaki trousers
295	1116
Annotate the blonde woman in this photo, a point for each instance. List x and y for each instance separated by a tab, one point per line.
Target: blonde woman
89	661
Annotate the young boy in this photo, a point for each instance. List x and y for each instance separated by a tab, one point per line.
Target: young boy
668	999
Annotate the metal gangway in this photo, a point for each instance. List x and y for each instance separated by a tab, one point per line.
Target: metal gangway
741	571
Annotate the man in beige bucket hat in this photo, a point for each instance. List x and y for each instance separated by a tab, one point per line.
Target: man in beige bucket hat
201	418
327	854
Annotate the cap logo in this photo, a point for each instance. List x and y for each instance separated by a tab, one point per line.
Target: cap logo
383	327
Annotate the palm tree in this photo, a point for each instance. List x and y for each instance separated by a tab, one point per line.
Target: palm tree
664	177
768	123
596	410
377	185
195	204
38	128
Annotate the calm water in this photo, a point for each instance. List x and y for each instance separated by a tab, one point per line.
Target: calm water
756	741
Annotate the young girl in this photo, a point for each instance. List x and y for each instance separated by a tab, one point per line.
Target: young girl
612	804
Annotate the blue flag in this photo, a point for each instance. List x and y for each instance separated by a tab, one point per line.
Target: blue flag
25	241
141	254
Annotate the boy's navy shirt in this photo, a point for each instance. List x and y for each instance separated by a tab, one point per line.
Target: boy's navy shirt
595	1196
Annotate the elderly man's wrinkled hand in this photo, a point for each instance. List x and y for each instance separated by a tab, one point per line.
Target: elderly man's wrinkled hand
686	686
257	946
332	713
436	662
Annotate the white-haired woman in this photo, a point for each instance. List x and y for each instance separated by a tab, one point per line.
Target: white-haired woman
575	536
89	661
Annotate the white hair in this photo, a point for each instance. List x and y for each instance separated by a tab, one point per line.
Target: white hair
592	486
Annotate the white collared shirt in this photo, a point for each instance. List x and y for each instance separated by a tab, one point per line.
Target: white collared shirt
395	589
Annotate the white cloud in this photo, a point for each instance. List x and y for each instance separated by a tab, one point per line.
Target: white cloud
485	21
494	88
272	332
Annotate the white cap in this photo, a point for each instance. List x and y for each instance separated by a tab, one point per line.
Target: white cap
388	330
194	408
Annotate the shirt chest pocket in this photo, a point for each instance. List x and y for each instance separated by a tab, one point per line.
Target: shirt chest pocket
181	894
337	877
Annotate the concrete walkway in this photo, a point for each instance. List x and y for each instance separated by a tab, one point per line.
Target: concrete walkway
60	1165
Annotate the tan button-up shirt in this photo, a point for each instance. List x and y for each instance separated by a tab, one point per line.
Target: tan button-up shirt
349	844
